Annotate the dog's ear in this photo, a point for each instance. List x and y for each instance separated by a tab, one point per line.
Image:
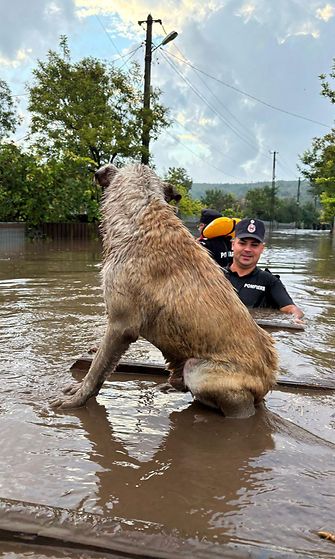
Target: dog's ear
105	174
170	193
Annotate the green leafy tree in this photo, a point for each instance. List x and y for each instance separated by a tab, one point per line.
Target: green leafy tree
8	115
35	190
319	161
308	215
14	168
258	203
178	177
223	202
286	210
89	108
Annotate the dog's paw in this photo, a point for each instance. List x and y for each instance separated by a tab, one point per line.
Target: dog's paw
74	398
64	403
72	388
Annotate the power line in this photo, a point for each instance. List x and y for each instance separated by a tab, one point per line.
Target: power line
213	148
249	95
203	160
286	170
122	56
108	35
213	109
132	54
213	94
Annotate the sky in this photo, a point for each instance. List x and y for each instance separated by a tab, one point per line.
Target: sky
241	79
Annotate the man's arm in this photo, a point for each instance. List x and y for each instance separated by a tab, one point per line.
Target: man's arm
293	309
283	299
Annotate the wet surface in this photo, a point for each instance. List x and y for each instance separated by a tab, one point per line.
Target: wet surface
157	465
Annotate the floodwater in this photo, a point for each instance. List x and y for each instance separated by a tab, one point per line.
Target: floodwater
148	474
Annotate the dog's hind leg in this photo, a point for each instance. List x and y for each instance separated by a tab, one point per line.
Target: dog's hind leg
175	381
115	342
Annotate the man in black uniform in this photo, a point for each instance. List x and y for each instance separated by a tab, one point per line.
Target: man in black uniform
256	287
218	247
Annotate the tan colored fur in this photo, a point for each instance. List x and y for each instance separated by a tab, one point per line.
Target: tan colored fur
159	283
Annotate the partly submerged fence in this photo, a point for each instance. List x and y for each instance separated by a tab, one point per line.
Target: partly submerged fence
67	231
12	235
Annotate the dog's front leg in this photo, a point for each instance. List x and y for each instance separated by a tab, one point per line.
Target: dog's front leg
115	342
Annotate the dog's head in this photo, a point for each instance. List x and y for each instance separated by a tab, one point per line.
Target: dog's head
106	174
170	193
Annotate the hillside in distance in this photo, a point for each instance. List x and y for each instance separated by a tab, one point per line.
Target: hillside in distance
285	189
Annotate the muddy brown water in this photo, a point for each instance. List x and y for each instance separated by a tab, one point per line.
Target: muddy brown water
142	472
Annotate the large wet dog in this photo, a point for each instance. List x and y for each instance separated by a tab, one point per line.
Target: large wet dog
159	283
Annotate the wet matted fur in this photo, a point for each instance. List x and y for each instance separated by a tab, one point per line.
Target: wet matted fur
159	283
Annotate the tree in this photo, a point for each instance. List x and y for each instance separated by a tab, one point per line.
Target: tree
319	160
258	203
178	177
89	108
309	215
286	210
8	116
223	202
36	191
14	170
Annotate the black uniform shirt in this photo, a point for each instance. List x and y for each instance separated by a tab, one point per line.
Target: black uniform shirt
219	249
260	288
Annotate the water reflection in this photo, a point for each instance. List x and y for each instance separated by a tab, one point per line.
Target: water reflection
186	469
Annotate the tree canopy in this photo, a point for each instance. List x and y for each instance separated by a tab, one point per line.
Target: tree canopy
178	177
36	191
8	115
319	161
259	202
82	114
89	107
223	202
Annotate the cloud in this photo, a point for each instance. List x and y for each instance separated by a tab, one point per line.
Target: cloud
28	27
171	13
247	11
20	56
289	18
325	13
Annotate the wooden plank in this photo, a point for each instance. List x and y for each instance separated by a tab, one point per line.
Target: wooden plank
277	325
82	365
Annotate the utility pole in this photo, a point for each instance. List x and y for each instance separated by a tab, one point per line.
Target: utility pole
147	116
146	95
297	219
273	189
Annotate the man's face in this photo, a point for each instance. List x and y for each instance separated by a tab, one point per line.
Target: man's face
247	252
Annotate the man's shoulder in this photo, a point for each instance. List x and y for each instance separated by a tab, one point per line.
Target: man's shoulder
266	273
265	277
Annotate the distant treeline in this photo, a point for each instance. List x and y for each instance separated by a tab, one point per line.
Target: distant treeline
284	189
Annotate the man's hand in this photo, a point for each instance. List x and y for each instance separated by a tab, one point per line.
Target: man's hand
297	313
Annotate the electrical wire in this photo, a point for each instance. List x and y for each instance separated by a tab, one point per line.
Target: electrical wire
213	109
269	105
108	35
213	94
201	158
213	148
132	54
